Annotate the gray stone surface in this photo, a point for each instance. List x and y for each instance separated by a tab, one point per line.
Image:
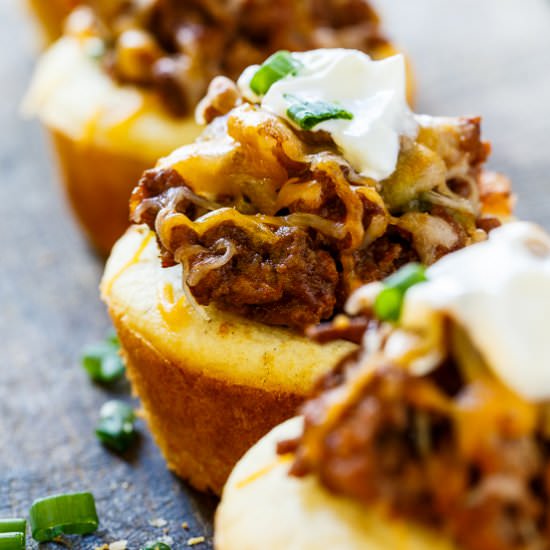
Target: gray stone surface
489	57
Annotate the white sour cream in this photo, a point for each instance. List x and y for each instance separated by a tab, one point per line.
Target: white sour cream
373	91
499	291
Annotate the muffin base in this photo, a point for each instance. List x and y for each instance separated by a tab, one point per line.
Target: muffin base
211	383
202	424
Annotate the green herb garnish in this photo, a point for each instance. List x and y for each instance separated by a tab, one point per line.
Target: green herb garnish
115	428
157	546
274	68
102	361
12	534
307	114
15	525
12	541
69	514
389	302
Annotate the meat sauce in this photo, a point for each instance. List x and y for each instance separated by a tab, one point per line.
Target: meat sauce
274	224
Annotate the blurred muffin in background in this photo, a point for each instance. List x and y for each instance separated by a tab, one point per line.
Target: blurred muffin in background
117	91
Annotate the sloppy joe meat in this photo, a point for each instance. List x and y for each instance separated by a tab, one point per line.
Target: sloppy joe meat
281	229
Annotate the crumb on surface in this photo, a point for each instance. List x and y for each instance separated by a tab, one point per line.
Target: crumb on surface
185	525
158	522
195	540
118	545
102	547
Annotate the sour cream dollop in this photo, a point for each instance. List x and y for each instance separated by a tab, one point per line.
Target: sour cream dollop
374	92
499	292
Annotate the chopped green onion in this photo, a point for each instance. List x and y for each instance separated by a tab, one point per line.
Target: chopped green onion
274	68
389	302
409	275
115	428
307	114
12	534
12	541
15	525
102	361
157	546
69	514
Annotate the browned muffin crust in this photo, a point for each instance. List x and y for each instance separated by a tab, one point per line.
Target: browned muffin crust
177	47
468	458
201	423
274	224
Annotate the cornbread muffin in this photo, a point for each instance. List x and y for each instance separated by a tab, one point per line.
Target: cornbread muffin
211	383
267	228
119	89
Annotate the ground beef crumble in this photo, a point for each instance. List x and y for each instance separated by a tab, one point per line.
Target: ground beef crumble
290	282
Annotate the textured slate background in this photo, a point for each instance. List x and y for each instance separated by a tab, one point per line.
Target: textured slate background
489	57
